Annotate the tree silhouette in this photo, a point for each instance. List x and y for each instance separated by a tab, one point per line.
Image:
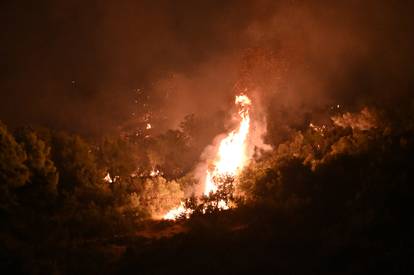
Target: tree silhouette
13	170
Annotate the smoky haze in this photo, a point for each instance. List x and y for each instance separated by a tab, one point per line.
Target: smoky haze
77	65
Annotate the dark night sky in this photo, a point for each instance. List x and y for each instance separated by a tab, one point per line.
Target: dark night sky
75	64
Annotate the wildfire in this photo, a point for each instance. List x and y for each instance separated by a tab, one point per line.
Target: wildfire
230	158
178	212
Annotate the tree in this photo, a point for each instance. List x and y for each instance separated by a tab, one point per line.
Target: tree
78	172
13	171
171	154
44	176
120	157
158	195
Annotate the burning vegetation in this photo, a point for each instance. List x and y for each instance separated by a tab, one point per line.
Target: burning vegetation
207	137
230	158
323	177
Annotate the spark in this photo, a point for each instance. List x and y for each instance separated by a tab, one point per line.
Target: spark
107	178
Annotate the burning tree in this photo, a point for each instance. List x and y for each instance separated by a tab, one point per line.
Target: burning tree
230	158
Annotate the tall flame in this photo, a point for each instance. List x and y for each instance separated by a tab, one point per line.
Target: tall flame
230	159
231	156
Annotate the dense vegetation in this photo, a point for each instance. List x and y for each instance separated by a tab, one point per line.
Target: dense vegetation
327	200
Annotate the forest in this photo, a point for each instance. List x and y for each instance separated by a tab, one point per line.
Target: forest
206	137
338	199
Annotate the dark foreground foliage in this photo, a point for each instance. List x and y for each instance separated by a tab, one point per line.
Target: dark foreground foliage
353	216
332	202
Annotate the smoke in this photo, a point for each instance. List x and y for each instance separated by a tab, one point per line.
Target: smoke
234	149
300	59
364	120
76	65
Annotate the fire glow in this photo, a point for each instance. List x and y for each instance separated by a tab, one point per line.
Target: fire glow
230	158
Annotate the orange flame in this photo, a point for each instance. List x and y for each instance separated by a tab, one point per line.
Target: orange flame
230	159
231	156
